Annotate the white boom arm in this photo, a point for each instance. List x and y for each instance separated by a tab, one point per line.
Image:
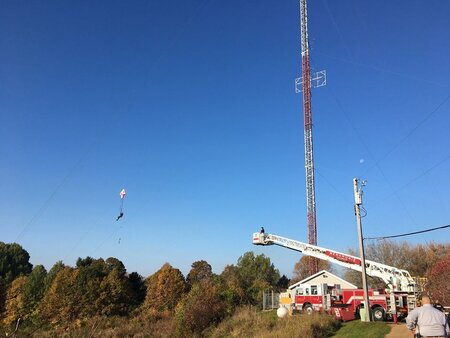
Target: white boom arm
396	279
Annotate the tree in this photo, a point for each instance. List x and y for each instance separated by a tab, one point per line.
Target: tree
91	273
200	271
256	273
114	263
422	257
58	266
95	287
23	296
83	262
258	267
200	308
61	303
355	277
15	302
14	261
417	260
115	298
138	287
301	268
438	281
34	290
232	287
165	288
283	283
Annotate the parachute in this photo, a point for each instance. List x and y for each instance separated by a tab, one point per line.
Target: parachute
122	196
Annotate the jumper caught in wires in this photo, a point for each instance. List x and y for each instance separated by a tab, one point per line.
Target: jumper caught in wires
122	197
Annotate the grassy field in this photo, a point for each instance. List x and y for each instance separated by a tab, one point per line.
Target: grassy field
358	329
246	322
251	324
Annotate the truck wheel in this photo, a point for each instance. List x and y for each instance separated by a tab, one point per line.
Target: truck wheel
378	313
308	309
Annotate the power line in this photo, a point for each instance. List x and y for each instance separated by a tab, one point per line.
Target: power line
120	114
418	125
377	164
409	233
417	177
339	32
55	191
383	70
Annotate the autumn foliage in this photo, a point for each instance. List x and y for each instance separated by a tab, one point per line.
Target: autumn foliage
164	290
98	290
101	294
419	259
439	285
201	307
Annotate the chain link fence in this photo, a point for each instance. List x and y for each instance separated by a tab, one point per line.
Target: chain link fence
271	300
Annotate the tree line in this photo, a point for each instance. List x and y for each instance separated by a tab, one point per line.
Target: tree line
103	288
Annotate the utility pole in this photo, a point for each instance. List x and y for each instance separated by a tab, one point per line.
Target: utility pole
365	316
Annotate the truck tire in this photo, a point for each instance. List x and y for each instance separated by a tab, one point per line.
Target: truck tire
378	313
308	309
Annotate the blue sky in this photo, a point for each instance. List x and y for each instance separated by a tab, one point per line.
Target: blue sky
190	106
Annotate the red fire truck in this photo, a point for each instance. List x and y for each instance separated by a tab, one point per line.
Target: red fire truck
397	300
324	297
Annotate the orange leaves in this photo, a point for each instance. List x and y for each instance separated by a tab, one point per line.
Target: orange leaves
164	289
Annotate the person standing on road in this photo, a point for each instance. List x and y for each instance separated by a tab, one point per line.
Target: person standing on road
427	320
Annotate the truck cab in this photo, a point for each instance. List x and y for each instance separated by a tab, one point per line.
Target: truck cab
316	297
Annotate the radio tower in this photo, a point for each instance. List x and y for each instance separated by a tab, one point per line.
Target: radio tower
309	160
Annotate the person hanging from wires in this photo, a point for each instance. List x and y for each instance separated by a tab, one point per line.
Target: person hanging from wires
120	216
122	196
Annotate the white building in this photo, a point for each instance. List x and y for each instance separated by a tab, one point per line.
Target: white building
324	277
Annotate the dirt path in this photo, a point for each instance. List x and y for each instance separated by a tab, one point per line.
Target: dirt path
399	331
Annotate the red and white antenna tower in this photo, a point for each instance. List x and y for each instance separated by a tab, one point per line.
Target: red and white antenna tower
309	158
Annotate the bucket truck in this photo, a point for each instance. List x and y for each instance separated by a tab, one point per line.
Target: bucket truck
399	298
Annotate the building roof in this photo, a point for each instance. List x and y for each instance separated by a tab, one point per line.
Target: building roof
327	274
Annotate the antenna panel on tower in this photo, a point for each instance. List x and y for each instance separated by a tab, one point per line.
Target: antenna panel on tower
318	79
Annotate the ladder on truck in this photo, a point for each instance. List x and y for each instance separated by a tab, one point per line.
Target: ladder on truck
397	280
